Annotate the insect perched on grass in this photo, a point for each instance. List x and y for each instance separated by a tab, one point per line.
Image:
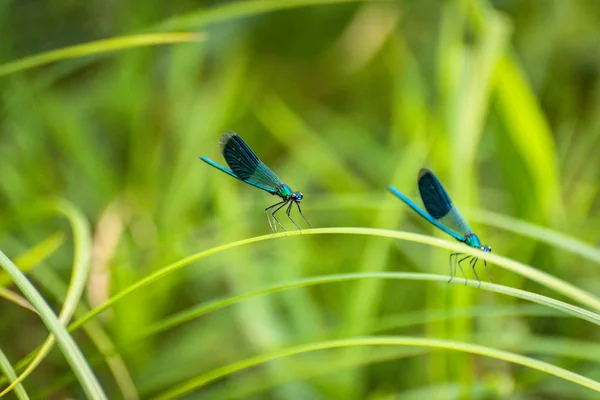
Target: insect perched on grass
246	167
442	213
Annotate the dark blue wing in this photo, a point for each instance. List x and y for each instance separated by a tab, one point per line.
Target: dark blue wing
438	203
435	199
246	165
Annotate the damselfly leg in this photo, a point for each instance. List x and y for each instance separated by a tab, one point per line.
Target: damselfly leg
287	212
300	210
473	263
273	225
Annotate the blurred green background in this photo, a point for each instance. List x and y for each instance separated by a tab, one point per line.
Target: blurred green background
500	98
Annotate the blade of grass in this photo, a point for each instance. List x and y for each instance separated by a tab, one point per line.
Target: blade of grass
215	305
239	9
71	352
17	299
467	87
222	13
540	277
9	372
402	320
541	233
82	251
95	331
198	382
253	385
36	255
544	234
526	124
26	262
100	46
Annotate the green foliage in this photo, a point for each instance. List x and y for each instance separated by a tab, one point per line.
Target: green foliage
176	286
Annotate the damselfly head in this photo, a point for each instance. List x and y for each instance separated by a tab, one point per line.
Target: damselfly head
487	249
297	197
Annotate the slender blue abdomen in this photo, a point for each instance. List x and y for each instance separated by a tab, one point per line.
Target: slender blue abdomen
423	214
218	166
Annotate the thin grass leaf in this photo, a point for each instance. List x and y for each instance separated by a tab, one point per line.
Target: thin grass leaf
552	237
215	305
359	358
17	299
257	384
81	234
403	320
97	47
9	372
72	353
538	276
97	334
527	124
201	381
239	9
35	255
482	216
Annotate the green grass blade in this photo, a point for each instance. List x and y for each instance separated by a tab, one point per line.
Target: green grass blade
404	319
252	387
97	334
239	9
9	372
100	46
215	305
26	262
36	255
219	373
541	233
82	249
72	353
538	276
527	124
544	234
17	299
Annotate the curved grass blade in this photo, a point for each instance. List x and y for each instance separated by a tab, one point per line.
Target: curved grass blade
9	372
557	239
402	320
547	235
201	381
82	249
26	262
70	350
253	387
560	286
526	123
17	299
97	335
239	9
215	305
100	46
35	255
